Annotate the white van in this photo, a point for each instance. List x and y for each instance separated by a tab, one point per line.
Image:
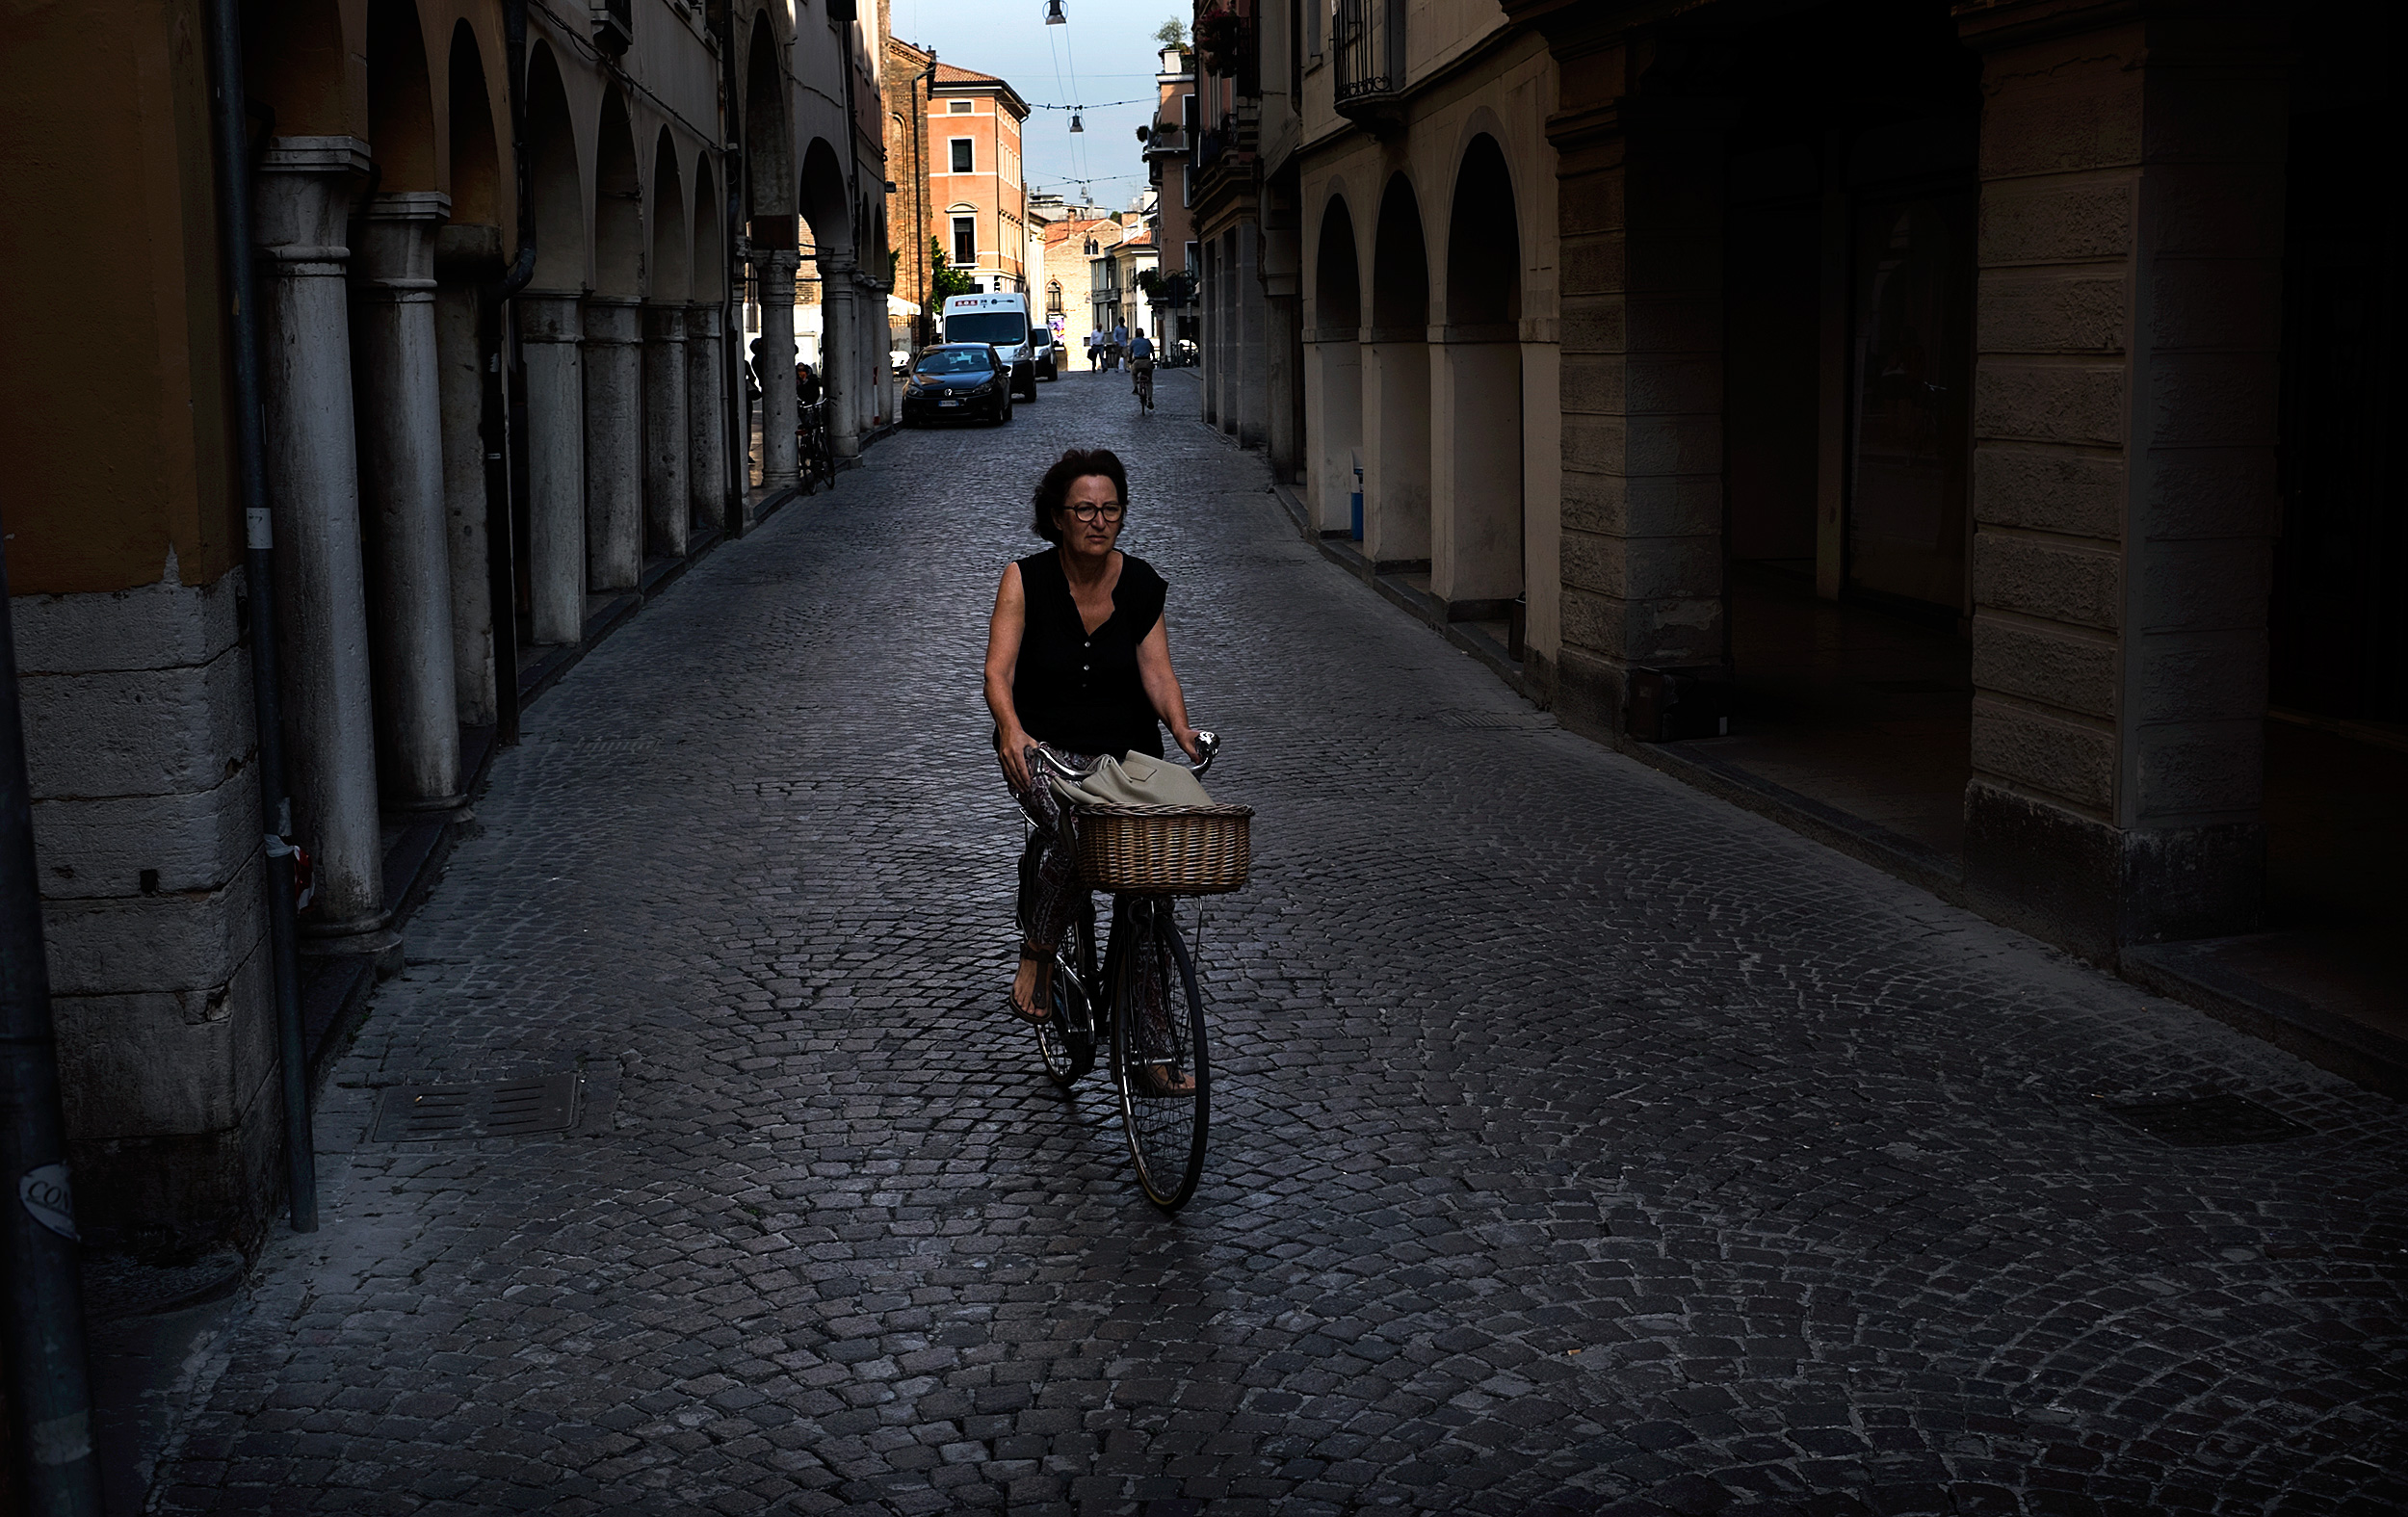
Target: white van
1002	322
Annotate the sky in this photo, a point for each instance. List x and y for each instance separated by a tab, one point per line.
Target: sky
1106	54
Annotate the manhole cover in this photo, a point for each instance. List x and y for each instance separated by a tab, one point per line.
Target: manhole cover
513	1109
2209	1121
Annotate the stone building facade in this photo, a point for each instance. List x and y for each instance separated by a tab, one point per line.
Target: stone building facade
487	423
1075	249
967	187
2030	343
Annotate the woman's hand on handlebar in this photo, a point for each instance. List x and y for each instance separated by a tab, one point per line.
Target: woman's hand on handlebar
1014	755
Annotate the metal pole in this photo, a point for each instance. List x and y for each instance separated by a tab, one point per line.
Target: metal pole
49	1385
497	352
227	125
735	168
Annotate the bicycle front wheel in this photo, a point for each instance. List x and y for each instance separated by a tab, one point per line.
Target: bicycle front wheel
1159	1059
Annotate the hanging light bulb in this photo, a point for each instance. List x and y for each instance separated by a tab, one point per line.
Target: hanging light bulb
1053	14
1074	123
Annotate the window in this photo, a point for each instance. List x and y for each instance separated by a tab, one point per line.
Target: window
958	107
1053	297
966	239
961	155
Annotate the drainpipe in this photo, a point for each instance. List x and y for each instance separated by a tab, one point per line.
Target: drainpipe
228	127
41	1335
497	349
734	169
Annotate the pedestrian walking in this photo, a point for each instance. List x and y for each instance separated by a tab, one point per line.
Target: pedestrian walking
1094	351
1121	343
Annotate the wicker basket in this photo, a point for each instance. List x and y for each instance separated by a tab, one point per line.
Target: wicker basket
1164	851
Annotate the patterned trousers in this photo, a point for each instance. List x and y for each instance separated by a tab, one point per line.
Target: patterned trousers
1050	893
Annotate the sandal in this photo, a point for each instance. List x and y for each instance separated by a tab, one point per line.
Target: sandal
1043	988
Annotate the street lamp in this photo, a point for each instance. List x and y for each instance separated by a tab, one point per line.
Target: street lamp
1074	115
1053	14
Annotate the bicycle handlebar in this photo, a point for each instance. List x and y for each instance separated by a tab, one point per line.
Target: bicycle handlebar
1208	741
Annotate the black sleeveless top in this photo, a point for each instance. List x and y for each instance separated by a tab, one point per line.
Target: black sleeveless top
1079	690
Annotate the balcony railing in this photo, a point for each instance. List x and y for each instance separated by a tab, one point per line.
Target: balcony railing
1367	37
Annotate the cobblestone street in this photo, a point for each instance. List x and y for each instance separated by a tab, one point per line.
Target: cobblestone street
1580	1143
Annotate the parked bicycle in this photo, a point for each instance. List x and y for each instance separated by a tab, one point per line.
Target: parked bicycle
1143	1008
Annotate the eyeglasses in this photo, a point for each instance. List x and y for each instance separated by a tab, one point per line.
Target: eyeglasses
1089	510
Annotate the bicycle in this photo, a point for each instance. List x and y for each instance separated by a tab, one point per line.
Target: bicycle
1163	1075
1144	385
815	447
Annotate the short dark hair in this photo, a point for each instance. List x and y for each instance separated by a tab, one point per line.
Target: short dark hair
1072	466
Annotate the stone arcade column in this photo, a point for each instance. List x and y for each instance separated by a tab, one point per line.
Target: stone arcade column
1395	446
614	443
1333	361
551	334
706	418
774	268
1208	327
840	353
1475	468
1250	364
400	418
313	486
2124	482
1640	186
464	256
668	500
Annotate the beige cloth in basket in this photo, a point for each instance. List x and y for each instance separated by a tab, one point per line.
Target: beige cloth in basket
1138	780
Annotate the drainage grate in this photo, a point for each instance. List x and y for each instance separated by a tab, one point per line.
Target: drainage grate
2209	1121
1494	720
513	1109
1919	686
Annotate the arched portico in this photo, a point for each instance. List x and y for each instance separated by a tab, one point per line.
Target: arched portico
400	427
468	256
614	529
825	205
1396	387
297	56
1475	383
1333	355
769	206
551	330
668	512
706	387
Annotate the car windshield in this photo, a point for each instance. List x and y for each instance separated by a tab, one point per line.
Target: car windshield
955	360
1007	327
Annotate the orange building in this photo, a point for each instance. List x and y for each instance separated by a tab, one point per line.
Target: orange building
960	183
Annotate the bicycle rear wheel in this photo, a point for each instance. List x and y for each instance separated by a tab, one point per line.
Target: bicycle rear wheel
1066	1037
1159	1059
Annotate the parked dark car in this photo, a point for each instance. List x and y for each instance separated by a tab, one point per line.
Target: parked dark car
956	381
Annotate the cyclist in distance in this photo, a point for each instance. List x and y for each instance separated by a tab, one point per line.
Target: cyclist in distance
1078	658
1141	366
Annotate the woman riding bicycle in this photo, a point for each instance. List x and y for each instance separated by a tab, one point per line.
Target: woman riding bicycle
1078	658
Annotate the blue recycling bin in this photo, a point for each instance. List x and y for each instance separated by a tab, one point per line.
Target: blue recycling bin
1354	524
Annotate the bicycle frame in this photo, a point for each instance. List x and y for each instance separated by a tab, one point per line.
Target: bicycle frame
1209	743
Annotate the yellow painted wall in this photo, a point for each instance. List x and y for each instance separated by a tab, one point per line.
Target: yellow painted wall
112	384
